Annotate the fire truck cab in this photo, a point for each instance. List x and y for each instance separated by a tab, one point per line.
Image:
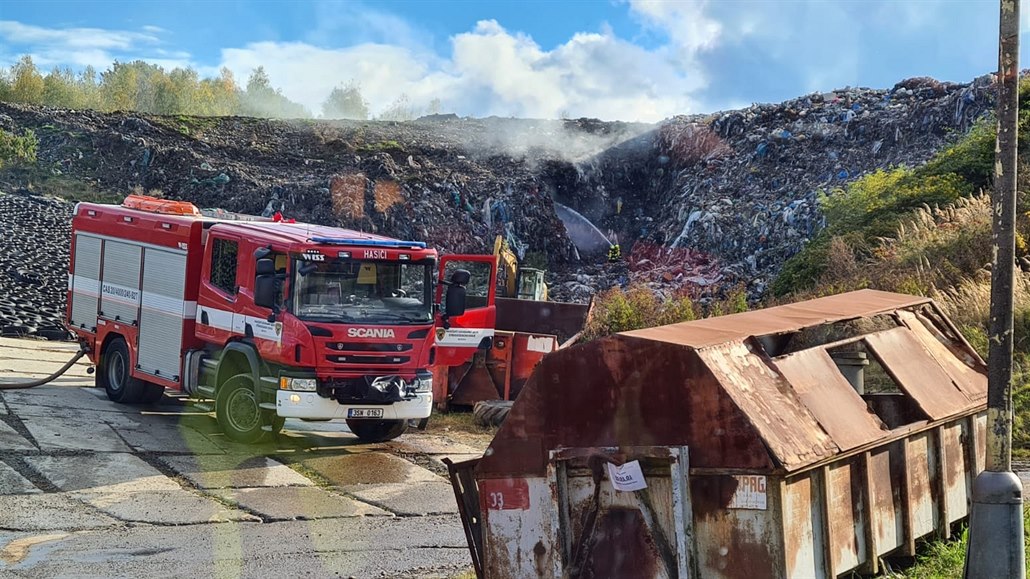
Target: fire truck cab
269	319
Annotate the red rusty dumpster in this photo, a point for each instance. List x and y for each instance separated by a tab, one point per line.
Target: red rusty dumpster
759	456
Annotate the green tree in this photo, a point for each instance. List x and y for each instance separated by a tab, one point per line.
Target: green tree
88	89
400	110
262	100
118	86
27	83
6	84
219	96
345	103
60	90
176	92
131	86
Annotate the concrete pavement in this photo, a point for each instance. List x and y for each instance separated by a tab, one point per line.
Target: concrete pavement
90	488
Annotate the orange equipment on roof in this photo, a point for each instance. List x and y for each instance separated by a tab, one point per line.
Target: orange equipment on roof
155	205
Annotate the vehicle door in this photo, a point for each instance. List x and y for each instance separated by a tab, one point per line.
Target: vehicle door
474	329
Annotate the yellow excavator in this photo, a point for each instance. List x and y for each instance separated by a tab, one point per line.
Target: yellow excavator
524	283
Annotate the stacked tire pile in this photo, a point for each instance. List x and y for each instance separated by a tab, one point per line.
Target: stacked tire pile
33	265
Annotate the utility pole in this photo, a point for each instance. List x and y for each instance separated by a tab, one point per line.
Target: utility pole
995	546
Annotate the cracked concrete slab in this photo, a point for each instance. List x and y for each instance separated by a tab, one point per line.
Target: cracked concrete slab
109	472
50	512
230	471
86	414
11	440
18	365
307	503
368	467
71	434
165	507
66	399
417	499
345	547
431	444
12	483
167	438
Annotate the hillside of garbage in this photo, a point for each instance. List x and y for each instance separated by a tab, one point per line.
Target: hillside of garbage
698	204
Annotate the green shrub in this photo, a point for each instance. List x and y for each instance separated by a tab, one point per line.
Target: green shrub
972	158
874	204
618	310
637	307
18	149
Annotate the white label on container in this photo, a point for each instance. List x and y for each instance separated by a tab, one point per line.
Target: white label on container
627	477
543	344
750	493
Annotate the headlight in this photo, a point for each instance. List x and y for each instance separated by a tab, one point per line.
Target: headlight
298	384
423	384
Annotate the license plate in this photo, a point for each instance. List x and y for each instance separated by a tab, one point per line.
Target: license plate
365	413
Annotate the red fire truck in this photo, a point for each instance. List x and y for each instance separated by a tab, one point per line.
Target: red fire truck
269	319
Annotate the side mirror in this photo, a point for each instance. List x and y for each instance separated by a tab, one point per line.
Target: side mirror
454	301
461	277
264	291
262	252
265	266
264	284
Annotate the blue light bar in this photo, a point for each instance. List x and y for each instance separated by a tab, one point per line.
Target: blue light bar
368	242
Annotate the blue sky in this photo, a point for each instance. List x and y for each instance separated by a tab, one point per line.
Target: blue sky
612	59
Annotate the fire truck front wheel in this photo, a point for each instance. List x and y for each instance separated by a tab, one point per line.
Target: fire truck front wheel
115	374
238	413
377	430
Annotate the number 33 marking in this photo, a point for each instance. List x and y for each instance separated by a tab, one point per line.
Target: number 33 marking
496	500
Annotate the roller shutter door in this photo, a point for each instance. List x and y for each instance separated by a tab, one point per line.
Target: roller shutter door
85	283
119	287
161	320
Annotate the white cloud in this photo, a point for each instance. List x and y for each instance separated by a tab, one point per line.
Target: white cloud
490	71
487	70
72	38
685	22
79	47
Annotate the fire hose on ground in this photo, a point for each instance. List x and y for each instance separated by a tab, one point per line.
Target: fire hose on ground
48	379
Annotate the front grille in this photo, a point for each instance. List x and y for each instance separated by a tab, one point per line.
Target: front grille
374	360
359	391
366	347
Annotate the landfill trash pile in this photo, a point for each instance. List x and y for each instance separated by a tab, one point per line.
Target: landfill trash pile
743	185
454	183
735	193
33	283
659	267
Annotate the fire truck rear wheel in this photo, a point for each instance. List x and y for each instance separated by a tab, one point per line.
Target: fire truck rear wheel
377	430
238	413
115	377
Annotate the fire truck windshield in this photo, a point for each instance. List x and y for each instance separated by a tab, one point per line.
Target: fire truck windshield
367	292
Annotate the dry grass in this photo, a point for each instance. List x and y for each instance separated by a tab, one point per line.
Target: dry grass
458	421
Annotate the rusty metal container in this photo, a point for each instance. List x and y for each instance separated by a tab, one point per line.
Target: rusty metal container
499	372
760	458
527	330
